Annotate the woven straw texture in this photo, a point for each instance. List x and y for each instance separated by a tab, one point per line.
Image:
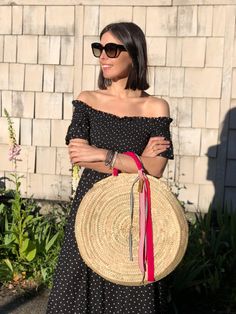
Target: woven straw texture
102	229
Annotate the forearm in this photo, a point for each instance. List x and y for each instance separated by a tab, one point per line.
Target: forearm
153	165
123	163
97	166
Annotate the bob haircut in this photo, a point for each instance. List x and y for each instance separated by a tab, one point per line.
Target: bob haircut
134	41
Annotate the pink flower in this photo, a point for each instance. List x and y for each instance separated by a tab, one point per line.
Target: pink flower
14	151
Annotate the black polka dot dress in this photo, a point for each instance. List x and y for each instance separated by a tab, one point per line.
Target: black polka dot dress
76	288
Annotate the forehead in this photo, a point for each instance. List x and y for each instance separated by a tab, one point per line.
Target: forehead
108	37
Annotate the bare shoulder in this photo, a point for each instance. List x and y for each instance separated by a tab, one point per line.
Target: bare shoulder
86	96
91	98
158	107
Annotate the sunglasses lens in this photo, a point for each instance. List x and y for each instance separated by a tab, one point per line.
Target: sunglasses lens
97	49
111	50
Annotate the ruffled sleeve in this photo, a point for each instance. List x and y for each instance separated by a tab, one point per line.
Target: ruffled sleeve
161	127
79	127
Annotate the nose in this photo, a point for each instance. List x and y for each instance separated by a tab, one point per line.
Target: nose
103	55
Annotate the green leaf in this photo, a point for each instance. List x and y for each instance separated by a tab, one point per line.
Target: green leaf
2	206
25	245
9	264
51	242
27	220
6	223
9	237
44	273
31	254
8	240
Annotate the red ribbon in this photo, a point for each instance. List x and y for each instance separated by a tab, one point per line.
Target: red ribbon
150	249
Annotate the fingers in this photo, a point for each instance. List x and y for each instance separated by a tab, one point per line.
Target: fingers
83	152
74	158
74	148
154	138
158	152
160	147
156	146
78	140
159	140
77	144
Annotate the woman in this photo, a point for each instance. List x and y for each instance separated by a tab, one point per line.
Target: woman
119	116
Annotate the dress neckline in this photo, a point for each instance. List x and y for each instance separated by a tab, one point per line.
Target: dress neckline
116	116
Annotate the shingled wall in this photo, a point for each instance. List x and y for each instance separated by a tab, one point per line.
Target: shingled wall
45	61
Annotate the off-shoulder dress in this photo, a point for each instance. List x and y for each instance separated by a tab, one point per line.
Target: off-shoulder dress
76	288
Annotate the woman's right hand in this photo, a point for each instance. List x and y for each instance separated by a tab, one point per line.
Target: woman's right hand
155	146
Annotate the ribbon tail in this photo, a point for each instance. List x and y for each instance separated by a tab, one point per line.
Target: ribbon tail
142	229
131	220
150	248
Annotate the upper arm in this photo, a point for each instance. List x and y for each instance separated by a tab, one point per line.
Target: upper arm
79	126
160	108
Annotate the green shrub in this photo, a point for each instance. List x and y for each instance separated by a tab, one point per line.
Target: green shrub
29	241
208	266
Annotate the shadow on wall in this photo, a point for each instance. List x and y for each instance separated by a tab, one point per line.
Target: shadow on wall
222	163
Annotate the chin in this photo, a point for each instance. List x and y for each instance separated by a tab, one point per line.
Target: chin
108	77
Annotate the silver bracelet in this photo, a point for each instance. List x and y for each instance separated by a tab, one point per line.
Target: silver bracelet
113	160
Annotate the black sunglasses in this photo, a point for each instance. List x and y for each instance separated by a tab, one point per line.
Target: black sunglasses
112	50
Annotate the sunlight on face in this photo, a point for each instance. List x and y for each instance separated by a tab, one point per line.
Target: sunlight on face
114	68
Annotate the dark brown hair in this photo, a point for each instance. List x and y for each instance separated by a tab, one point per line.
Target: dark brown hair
134	41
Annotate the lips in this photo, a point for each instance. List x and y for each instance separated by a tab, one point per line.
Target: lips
106	66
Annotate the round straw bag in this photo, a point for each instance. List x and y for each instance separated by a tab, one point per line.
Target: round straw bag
125	238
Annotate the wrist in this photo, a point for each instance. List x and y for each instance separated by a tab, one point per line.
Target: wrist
110	158
103	154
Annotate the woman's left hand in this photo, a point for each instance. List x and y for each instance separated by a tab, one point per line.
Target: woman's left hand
156	145
80	151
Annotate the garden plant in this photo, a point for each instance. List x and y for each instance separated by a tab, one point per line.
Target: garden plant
205	280
29	241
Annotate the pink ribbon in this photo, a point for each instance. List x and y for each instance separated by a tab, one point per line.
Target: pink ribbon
145	250
142	231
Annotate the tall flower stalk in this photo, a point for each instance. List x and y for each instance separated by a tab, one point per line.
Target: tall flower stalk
14	149
13	153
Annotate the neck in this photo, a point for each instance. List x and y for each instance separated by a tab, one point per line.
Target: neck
117	88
